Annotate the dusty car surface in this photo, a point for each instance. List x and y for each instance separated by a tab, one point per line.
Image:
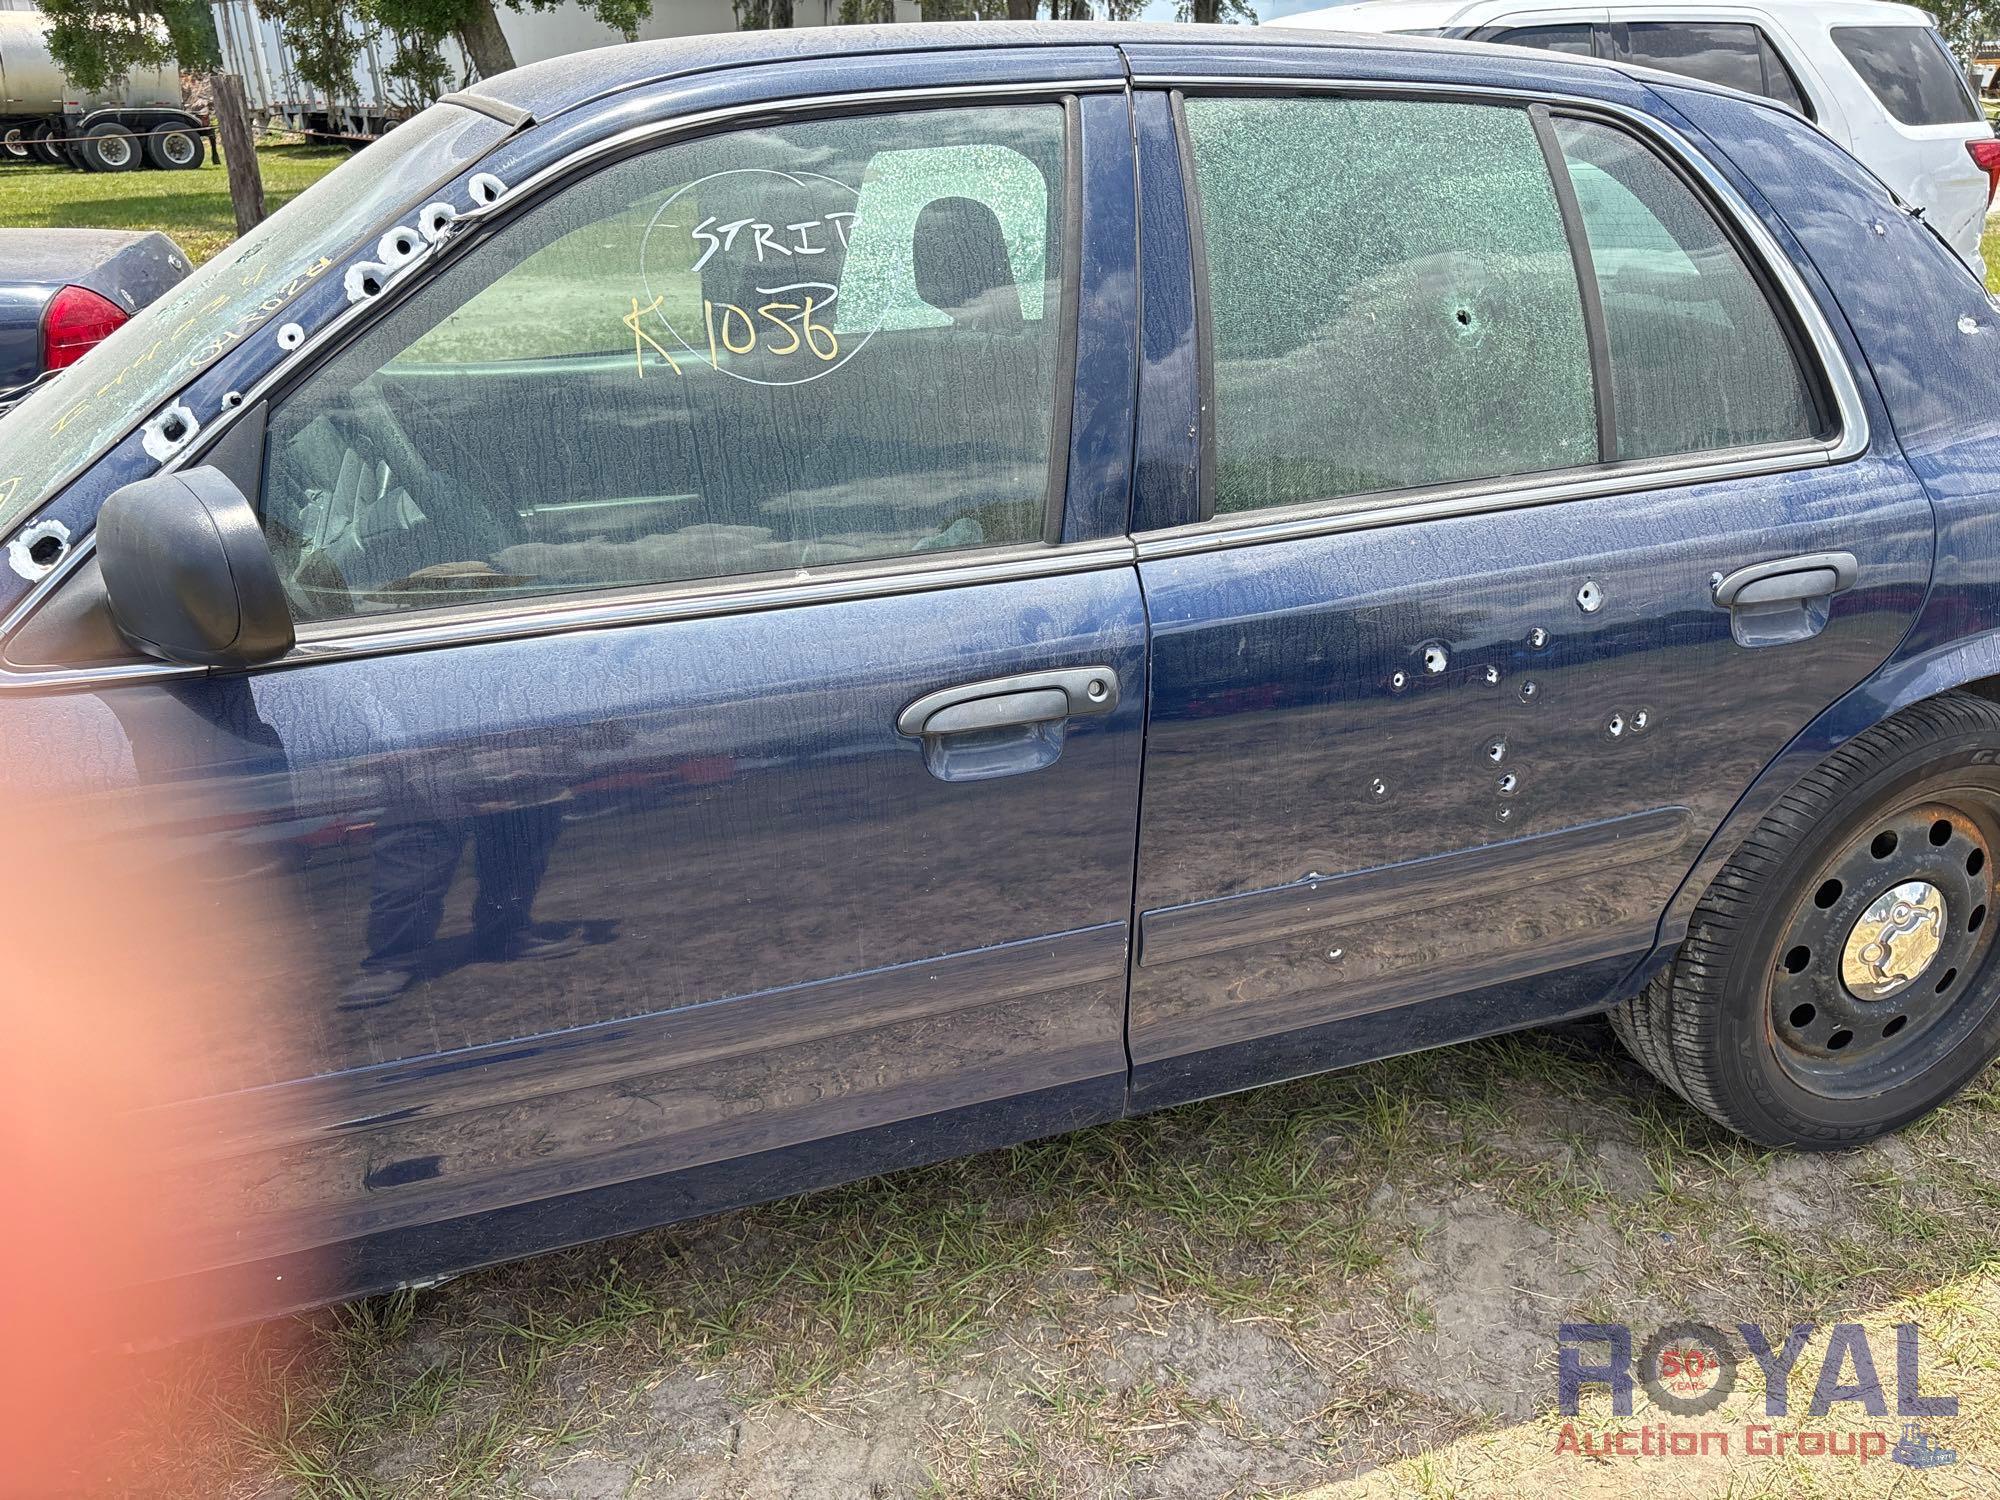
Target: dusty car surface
781	606
63	291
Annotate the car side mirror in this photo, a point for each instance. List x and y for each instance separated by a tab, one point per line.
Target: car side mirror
188	574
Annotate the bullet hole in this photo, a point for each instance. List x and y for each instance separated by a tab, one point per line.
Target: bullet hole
1378	788
1508	784
485	189
1435	659
168	432
434	220
35	552
1589	597
291	336
1492	676
231	400
398	245
1879	228
1528	690
1615	725
1504	814
1968	324
1398	681
1463	317
1335	954
1642	721
1496	751
1538	638
364	279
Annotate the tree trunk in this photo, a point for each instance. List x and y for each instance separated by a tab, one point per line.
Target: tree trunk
239	152
1021	10
1209	11
483	40
781	15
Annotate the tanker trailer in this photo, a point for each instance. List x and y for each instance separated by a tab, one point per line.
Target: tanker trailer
137	121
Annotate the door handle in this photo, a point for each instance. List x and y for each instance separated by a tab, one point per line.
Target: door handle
1772	603
1011	702
1815	575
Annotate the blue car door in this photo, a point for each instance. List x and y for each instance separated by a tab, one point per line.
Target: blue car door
710	762
1507	500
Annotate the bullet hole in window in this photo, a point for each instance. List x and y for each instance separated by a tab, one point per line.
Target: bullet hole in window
1464	316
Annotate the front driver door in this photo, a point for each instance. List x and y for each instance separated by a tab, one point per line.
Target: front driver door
1444	701
713	745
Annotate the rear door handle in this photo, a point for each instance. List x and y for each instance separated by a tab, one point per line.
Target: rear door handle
1775	603
1815	575
1009	702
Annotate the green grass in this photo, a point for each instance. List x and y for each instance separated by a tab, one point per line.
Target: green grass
192	207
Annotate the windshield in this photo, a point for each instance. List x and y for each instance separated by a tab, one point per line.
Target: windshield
72	419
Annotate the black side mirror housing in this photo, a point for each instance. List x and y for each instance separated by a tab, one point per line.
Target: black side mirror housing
188	573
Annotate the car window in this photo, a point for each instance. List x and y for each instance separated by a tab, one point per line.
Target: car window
764	351
1779	82
1699	359
1713	51
68	422
1576	41
1909	70
1384	313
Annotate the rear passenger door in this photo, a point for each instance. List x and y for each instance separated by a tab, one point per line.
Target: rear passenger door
1444	697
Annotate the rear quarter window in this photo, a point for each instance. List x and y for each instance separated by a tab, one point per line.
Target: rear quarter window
1910	71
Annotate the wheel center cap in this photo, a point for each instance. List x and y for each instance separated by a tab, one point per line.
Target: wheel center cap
1894	941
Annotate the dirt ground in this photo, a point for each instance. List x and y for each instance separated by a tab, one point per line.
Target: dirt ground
1349	1286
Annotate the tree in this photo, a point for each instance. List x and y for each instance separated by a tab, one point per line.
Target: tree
1213	12
1965	23
96	42
763	15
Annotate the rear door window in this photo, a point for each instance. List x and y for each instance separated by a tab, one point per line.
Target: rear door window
1699	358
1909	70
769	350
1575	41
1734	55
1384	314
1378	316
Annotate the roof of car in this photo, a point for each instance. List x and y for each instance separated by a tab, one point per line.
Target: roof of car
562	83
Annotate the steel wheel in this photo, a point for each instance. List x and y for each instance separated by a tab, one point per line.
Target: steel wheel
1881	965
1839	976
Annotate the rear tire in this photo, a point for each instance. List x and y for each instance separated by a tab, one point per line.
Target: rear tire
42	145
110	147
174	148
14	142
1839	977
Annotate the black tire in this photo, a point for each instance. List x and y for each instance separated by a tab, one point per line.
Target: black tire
110	147
14	142
174	148
44	147
1778	1017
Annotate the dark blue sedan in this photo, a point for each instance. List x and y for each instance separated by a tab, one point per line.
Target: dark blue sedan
780	606
64	291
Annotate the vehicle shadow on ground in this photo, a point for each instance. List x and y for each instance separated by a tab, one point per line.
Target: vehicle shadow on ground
1355	1279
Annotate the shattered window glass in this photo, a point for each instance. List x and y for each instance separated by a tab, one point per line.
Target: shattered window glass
1699	360
1392	299
778	349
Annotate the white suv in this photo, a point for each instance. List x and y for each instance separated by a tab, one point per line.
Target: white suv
1877	78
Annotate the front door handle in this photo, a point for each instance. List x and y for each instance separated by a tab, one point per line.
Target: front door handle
1771	603
1011	702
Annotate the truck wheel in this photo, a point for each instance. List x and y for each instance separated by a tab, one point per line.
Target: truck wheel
174	148
1838	979
15	143
110	148
42	143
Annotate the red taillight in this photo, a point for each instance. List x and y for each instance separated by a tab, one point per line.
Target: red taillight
1985	155
79	319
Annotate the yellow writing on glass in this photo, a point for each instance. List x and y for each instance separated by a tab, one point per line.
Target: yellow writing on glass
802	335
640	338
9	488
